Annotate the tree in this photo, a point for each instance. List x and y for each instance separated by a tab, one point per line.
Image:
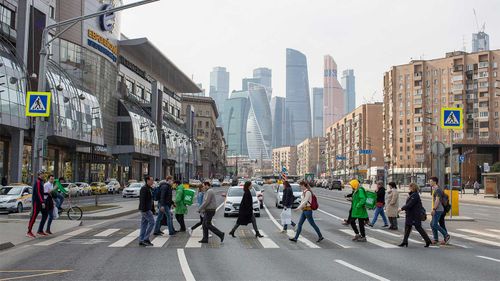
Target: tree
495	168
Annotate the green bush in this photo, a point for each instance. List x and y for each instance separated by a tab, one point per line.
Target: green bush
495	168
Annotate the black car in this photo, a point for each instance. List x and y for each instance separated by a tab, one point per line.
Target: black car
336	184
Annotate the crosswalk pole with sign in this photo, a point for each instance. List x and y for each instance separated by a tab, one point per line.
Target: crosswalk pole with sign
451	172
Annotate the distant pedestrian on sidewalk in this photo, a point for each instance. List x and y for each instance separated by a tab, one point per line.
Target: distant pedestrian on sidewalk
307	212
245	213
392	205
379	210
48	188
146	207
358	211
414	214
199	200
207	211
180	207
437	212
38	205
477	186
164	207
287	200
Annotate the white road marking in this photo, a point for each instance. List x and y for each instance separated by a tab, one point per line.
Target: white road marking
488	258
331	215
159	241
220	206
494	230
107	232
301	239
396	235
62	237
126	240
475	239
196	236
374	241
360	270
188	275
435	246
480	233
266	242
335	200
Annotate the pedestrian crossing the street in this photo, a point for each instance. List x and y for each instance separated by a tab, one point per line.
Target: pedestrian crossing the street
335	239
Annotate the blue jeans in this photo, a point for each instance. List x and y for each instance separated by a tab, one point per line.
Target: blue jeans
147	224
59	200
379	211
50	215
159	218
309	216
436	227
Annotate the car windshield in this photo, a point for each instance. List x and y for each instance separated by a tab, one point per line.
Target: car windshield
16	190
5	190
136	185
238	192
295	188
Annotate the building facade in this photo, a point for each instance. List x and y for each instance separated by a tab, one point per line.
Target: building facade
333	94
317	112
219	90
311	157
349	86
480	42
237	109
358	130
285	156
278	115
298	106
264	75
414	94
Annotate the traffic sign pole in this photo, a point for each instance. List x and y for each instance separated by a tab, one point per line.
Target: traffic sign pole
451	173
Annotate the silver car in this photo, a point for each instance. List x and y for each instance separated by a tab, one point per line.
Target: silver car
297	192
234	196
133	190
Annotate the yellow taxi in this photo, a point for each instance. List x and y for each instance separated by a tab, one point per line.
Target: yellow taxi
15	198
99	188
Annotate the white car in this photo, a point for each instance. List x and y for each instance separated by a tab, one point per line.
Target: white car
297	192
233	199
215	183
85	188
226	182
113	187
72	189
133	190
259	191
15	198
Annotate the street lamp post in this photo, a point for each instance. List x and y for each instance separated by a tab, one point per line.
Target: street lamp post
94	111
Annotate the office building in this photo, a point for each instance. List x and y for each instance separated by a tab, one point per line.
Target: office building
333	96
317	112
349	86
278	117
219	90
285	156
480	42
264	76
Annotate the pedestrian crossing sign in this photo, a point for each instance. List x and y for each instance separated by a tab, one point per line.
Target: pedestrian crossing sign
452	118
38	104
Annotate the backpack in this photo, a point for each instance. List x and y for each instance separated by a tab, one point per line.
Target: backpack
445	202
314	202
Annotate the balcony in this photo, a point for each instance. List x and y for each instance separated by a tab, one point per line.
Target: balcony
417	76
483	64
458	68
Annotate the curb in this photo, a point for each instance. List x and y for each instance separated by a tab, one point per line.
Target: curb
5	246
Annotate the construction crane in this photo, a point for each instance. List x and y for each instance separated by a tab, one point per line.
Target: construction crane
477	23
372	99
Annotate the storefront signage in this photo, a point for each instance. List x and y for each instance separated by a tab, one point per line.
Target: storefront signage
107	21
102	44
134	68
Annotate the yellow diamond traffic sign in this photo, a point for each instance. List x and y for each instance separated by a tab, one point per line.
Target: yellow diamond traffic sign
452	118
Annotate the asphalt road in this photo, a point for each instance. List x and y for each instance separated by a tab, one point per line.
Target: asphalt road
99	251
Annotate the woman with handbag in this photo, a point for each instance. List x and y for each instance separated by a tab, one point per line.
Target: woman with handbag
415	214
392	205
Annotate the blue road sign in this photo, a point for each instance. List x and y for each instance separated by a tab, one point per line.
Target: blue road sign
38	104
365	151
452	118
339	157
461	158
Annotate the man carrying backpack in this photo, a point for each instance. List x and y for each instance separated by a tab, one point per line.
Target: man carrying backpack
164	197
438	211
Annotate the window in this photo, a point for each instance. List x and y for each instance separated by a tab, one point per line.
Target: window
206	125
483	114
52	12
7	16
130	86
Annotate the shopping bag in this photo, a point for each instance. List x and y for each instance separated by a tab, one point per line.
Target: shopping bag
55	213
286	216
188	197
371	200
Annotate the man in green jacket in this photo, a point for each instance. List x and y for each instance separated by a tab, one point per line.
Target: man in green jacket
358	211
59	192
180	208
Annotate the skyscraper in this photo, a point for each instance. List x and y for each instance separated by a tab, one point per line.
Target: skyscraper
219	90
317	112
278	121
264	75
246	81
235	121
298	107
480	42
333	95
349	85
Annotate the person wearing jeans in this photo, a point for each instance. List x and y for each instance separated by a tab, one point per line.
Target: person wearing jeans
207	209
146	207
307	212
379	210
287	201
437	212
165	203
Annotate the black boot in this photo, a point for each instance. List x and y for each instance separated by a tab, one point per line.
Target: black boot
425	236
233	230
405	238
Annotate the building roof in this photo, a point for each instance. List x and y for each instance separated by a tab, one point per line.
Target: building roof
198	99
162	67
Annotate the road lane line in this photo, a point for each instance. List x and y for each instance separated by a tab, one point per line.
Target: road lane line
475	239
188	275
126	240
196	236
360	270
488	258
220	206
43	273
266	242
107	232
63	237
480	233
396	235
159	241
279	226
494	230
374	241
436	246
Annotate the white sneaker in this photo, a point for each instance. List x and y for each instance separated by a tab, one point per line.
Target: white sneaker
190	231
210	235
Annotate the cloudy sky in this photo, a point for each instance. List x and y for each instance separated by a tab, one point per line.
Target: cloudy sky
368	36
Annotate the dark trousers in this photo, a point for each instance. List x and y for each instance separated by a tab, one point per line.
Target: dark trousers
254	224
207	225
198	223
441	221
420	230
361	223
180	220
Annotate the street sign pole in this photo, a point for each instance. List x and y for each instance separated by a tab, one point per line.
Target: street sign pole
451	173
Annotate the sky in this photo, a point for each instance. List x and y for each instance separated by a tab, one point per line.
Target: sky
367	36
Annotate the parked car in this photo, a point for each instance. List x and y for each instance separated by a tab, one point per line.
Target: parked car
233	199
99	188
15	198
336	184
215	183
113	187
133	190
259	191
72	189
259	181
297	192
194	183
226	182
85	187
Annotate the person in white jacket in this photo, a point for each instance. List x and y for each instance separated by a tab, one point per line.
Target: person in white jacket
307	212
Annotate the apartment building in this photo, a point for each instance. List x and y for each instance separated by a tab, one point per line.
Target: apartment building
311	157
285	156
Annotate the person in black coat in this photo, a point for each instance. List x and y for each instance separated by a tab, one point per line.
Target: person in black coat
245	215
414	213
287	201
146	207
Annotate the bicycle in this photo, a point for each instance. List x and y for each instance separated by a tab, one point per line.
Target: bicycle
74	212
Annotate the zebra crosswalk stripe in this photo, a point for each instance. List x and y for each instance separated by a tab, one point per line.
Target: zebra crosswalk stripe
196	236
496	236
107	232
265	241
126	240
159	241
475	239
63	237
373	241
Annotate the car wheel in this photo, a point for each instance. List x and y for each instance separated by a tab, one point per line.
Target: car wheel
226	215
20	208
